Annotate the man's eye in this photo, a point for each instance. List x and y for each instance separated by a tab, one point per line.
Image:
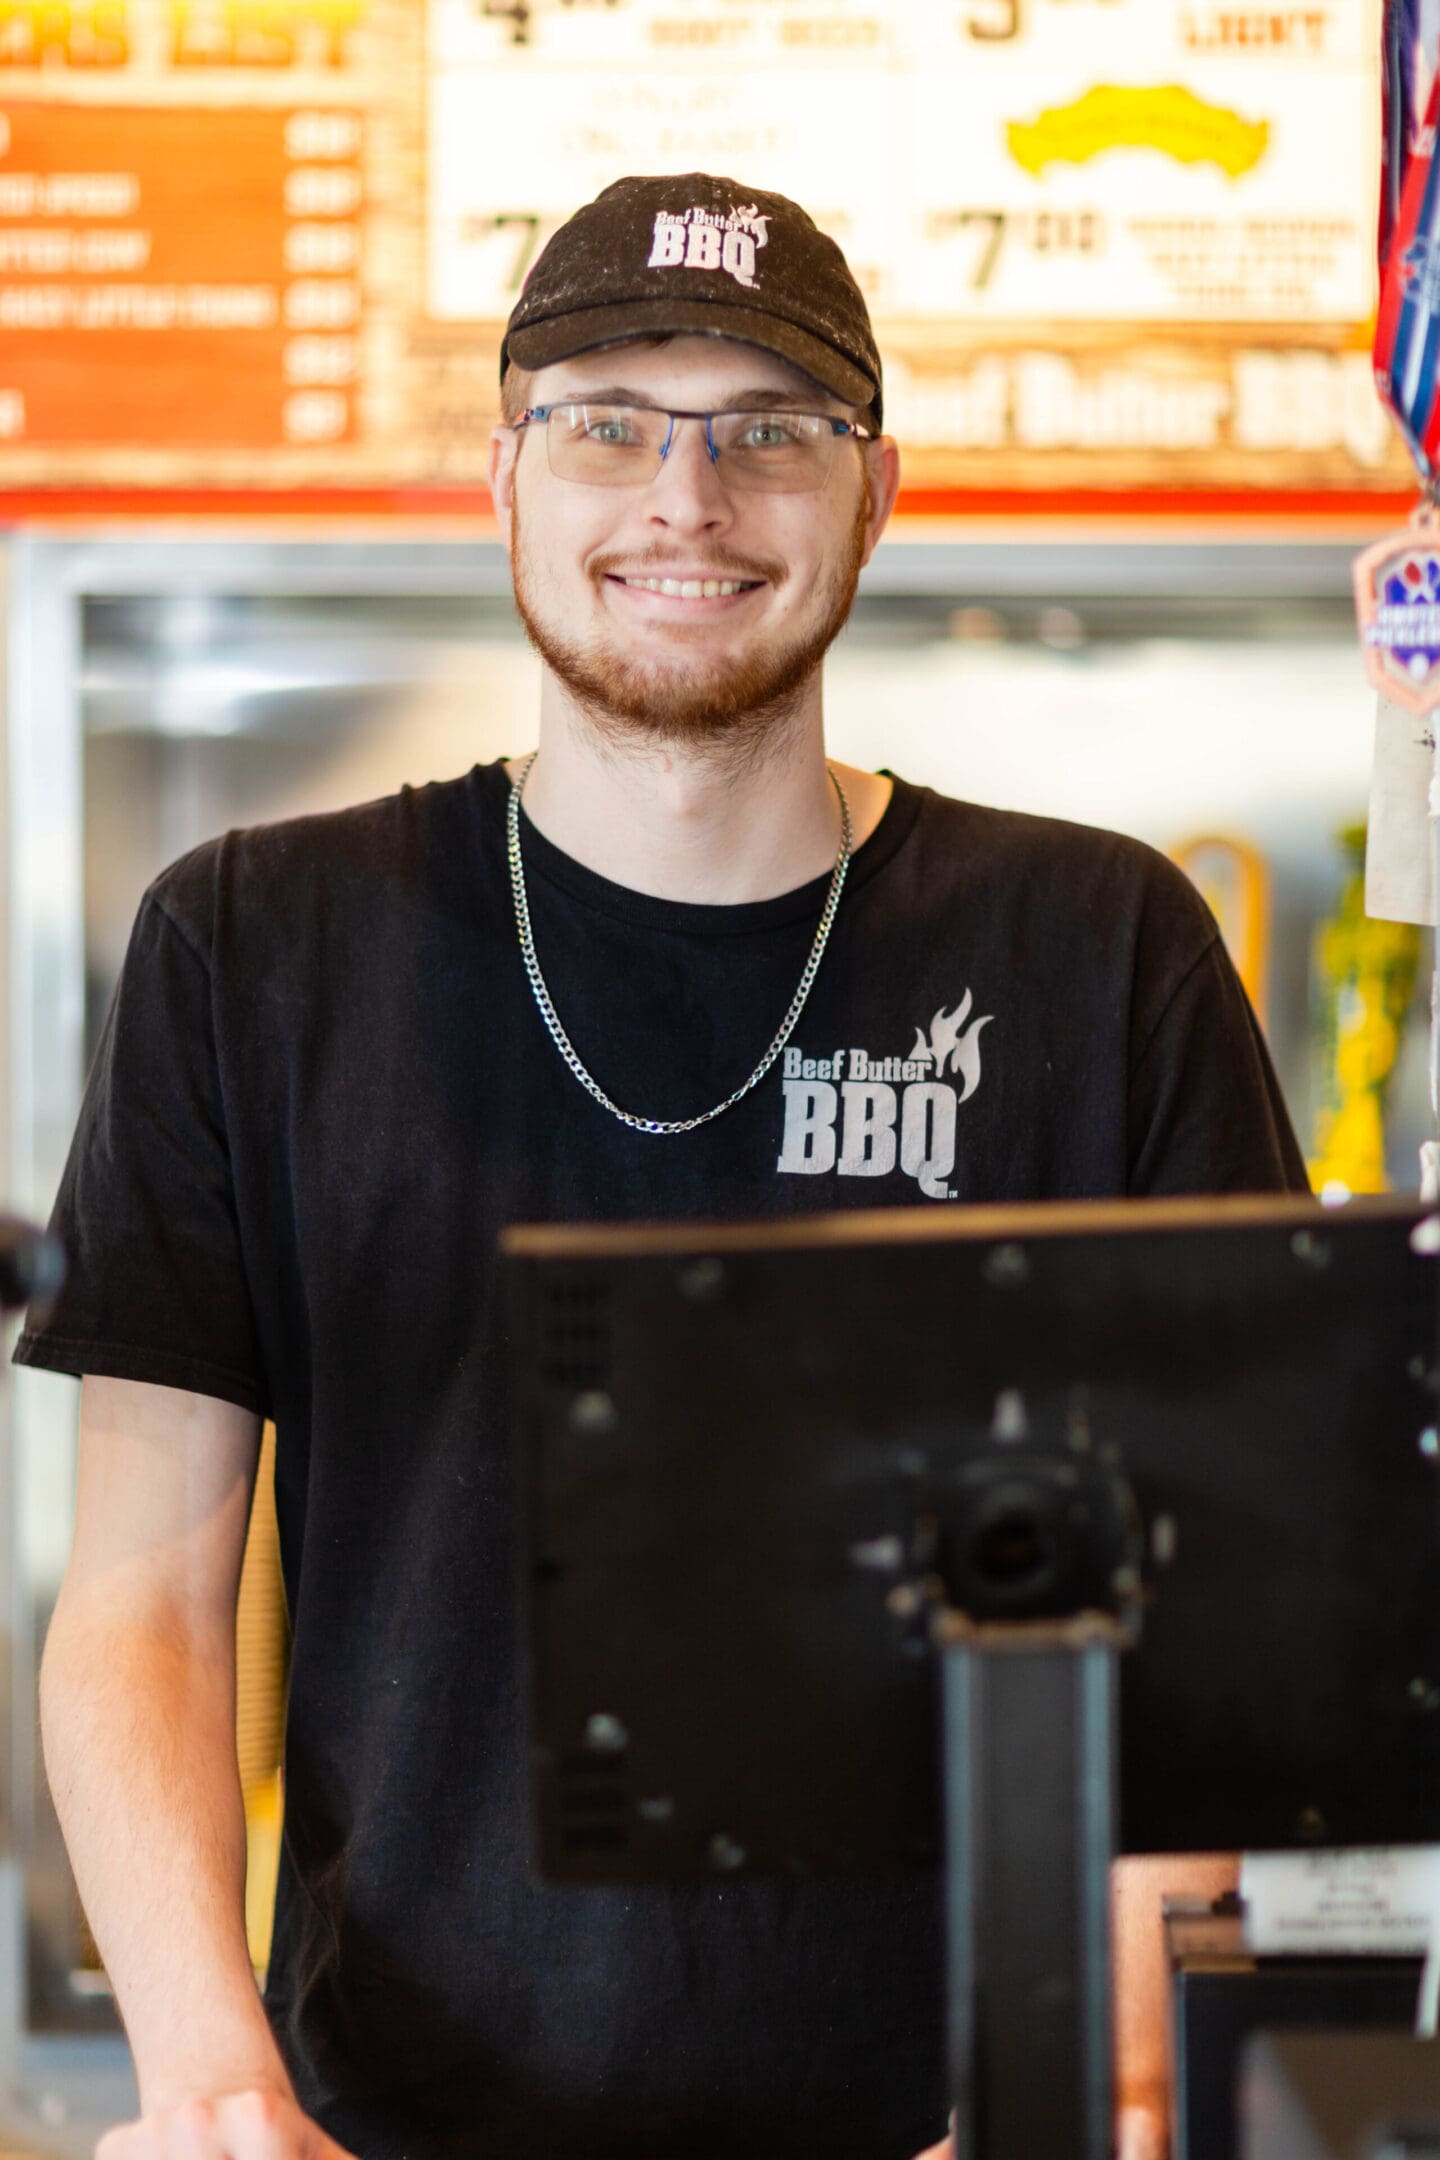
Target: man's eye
610	433
768	435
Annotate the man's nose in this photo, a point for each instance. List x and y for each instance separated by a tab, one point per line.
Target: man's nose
688	490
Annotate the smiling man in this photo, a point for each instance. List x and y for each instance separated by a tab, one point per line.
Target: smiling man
755	627
672	963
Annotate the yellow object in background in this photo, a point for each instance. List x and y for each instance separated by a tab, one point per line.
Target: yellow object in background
1139	116
1365	973
1233	879
263	1816
261	1661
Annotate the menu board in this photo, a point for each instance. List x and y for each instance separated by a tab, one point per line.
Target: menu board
178	278
1106	243
1040	161
191	292
1116	246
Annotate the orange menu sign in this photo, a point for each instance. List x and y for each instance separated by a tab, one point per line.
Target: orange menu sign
178	277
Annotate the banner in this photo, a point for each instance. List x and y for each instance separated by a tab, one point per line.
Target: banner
1114	245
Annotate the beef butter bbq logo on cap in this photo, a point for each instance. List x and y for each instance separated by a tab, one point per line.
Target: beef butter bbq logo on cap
699	239
863	1116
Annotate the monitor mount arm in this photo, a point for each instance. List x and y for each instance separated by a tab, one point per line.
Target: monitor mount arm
1028	1570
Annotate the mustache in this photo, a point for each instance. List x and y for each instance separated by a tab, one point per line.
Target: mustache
654	562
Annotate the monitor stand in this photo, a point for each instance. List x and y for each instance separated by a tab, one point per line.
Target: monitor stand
1028	1716
1030	1590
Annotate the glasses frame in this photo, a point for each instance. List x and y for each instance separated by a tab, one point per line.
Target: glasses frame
533	413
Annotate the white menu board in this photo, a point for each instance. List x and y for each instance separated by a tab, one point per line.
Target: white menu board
1007	161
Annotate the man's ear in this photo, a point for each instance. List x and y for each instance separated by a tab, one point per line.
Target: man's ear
504	449
882	463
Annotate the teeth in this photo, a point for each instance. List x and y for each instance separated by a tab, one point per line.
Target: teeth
688	588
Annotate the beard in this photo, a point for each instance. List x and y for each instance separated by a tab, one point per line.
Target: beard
734	707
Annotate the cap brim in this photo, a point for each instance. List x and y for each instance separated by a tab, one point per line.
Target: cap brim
562	337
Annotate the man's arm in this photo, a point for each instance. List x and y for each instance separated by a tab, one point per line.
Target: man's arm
137	1696
1138	1890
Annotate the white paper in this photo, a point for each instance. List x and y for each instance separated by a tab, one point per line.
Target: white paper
1399	855
1381	1901
957	153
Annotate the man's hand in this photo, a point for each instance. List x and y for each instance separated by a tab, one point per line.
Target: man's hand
1139	2135
235	2126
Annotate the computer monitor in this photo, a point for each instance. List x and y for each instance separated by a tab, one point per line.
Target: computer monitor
773	1472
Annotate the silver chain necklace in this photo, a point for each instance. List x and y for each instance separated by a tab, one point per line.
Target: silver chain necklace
551	1018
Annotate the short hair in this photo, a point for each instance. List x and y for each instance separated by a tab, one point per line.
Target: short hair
514	392
516	381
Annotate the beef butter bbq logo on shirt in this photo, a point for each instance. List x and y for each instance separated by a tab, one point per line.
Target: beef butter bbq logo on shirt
860	1115
699	239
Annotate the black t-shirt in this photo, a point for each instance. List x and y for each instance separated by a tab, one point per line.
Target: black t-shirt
322	1087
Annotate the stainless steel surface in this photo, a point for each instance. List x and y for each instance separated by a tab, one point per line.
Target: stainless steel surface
53	2090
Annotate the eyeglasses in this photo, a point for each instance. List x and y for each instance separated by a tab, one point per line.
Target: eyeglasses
771	453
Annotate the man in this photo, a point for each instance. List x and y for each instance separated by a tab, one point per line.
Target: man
696	973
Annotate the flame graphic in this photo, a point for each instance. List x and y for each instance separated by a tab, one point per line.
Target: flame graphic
950	1049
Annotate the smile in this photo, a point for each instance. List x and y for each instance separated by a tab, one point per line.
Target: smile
691	588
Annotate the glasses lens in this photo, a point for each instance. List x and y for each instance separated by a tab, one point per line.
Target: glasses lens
605	445
781	453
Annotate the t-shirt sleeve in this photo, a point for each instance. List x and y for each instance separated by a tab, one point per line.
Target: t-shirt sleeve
1206	1114
156	1288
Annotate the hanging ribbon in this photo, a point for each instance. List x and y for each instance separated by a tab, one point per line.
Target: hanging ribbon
1407	335
1397	582
1405	92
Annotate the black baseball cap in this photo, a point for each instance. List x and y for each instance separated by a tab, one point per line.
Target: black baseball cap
667	253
